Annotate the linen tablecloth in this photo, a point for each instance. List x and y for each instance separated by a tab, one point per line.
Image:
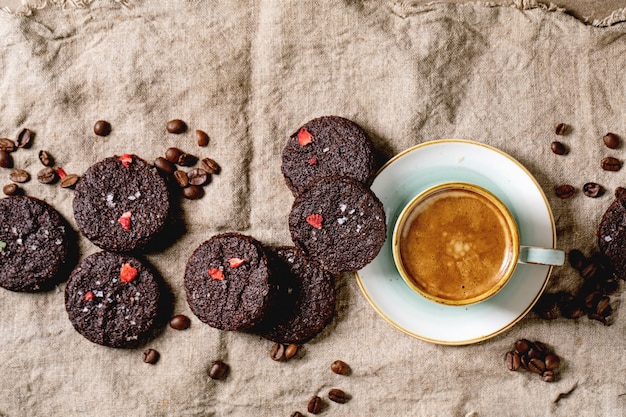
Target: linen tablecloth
249	73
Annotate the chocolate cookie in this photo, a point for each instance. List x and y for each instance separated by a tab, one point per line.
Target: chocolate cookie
339	223
121	203
612	231
34	247
326	146
306	299
228	282
113	300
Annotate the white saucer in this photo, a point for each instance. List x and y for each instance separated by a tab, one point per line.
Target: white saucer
431	163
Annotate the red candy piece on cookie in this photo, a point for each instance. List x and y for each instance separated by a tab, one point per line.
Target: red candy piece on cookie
126	159
315	220
235	262
304	137
216	274
124	220
128	273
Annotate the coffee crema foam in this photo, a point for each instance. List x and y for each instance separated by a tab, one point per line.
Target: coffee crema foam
456	245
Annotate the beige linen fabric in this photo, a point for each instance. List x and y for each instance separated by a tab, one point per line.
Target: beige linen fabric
249	73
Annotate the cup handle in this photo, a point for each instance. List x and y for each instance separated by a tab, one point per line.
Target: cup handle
541	256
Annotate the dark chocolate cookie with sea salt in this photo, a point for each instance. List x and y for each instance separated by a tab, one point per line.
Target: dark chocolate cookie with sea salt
339	223
329	145
113	300
612	231
228	282
306	298
121	203
34	247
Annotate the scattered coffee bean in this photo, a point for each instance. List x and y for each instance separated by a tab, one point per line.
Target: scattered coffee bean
296	414
611	164
340	367
291	350
548	376
202	138
6	160
19	175
558	148
193	192
11	189
534	357
338	396
611	140
315	405
46	159
198	176
69	180
25	138
577	259
277	352
561	129
218	370
186	160
512	361
210	166
176	126
181	178
47	175
102	128
164	166
565	191
593	190
172	154
180	322
151	356
7	145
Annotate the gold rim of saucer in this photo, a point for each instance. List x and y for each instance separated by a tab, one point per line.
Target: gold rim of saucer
456	185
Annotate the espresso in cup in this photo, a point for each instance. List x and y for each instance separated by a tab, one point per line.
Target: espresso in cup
456	244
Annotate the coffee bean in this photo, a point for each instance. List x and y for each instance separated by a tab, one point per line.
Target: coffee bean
197	176
577	259
552	362
315	405
522	346
172	154
338	396
176	126
151	356
536	366
193	192
603	307
164	166
611	140
593	190
561	129
187	160
181	178
558	148
202	138
210	166
548	376
291	350
610	164
69	181
218	370
11	189
7	145
102	128
46	159
296	414
180	322
565	191
19	175
25	138
340	367
512	361
47	175
277	352
589	271
6	160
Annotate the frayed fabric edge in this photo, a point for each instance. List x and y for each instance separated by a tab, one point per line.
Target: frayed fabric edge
405	8
29	6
